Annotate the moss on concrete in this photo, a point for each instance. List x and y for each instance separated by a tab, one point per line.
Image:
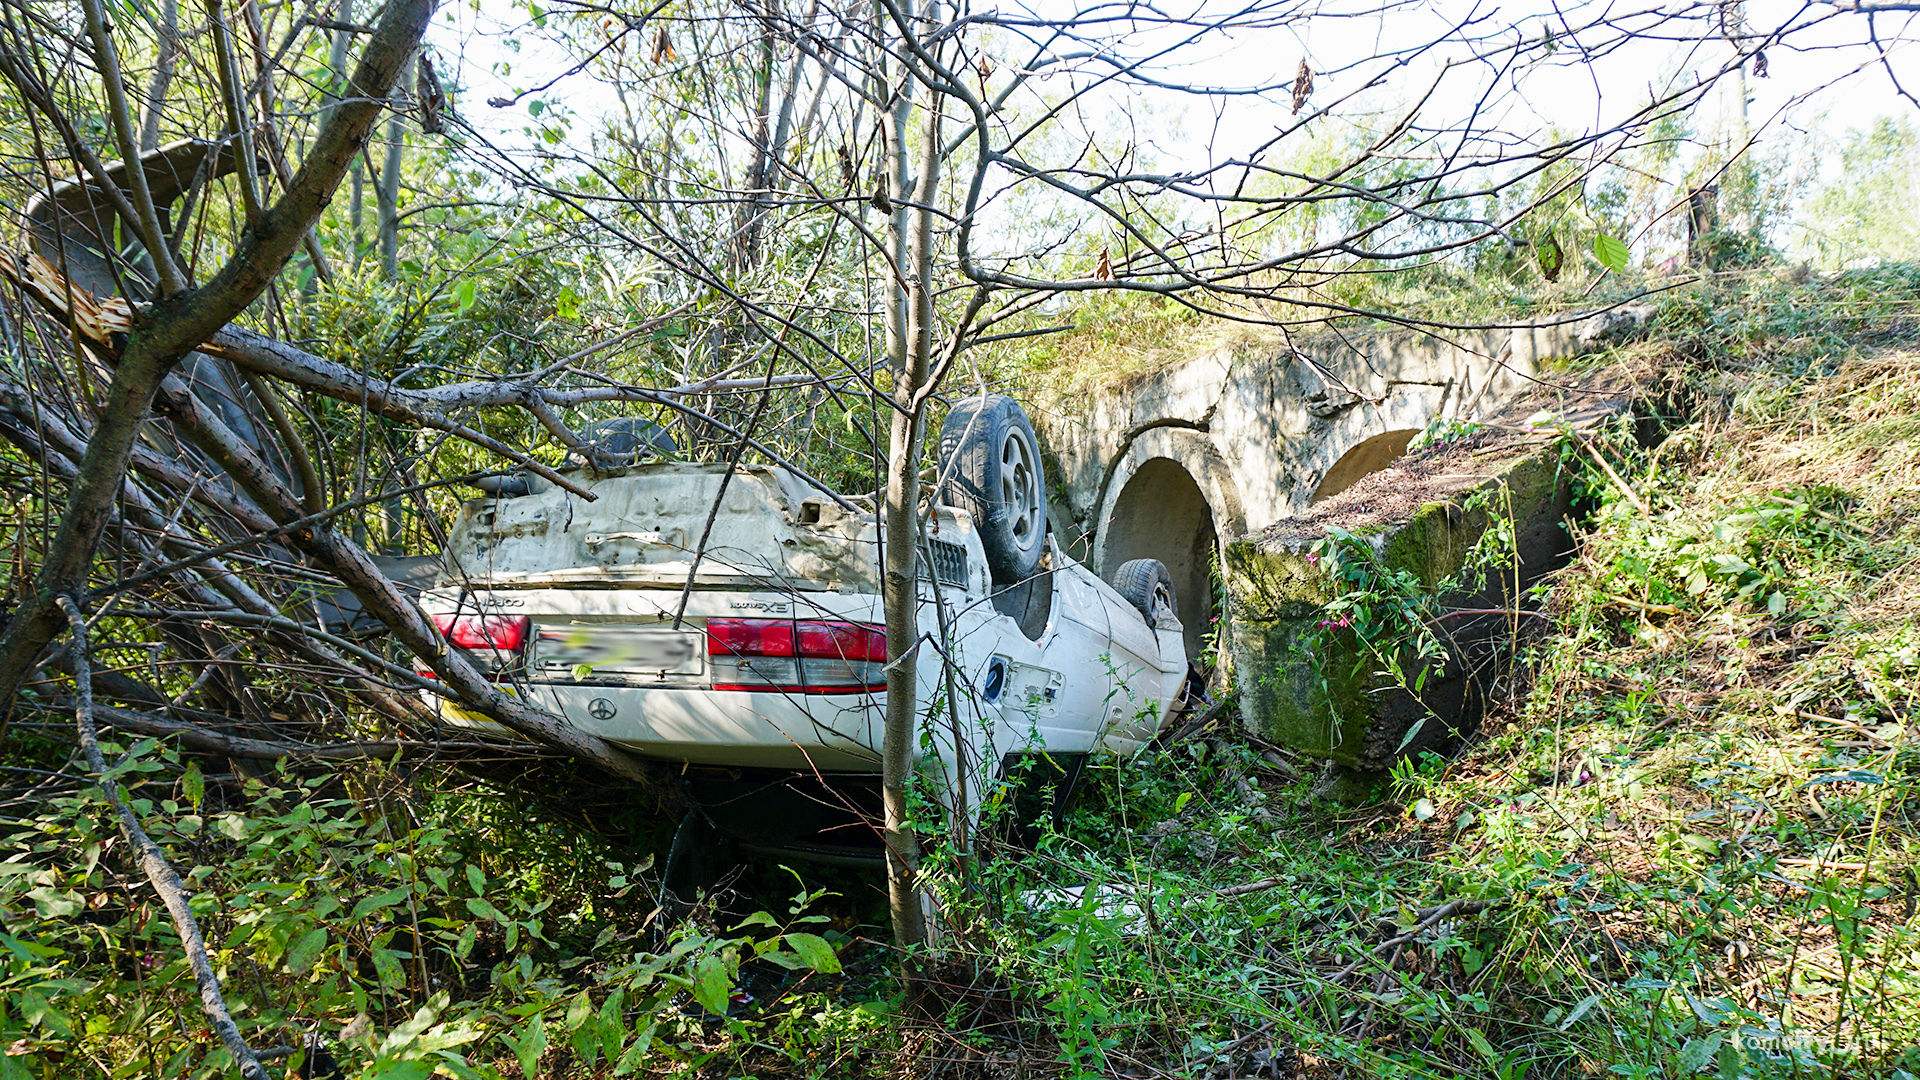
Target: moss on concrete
1316	688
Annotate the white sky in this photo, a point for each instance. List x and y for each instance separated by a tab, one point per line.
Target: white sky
1567	95
1574	96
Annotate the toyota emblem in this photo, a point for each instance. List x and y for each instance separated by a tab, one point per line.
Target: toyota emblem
601	709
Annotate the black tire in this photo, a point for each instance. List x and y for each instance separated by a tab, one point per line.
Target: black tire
626	440
1146	585
991	461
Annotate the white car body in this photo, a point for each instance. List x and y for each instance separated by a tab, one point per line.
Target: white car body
621	647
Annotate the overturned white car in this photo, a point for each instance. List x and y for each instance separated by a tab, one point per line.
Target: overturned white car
755	657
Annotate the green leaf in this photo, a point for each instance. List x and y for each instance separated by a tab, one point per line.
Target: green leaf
52	903
790	961
194	785
301	957
1730	1058
1547	252
1482	1047
1697	1054
711	985
465	293
377	901
387	967
1611	252
1580	1010
1855	776
531	1045
636	1054
13	1070
815	951
35	1009
578	1010
1180	803
477	878
612	1022
483	908
1413	731
464	947
581	672
758	918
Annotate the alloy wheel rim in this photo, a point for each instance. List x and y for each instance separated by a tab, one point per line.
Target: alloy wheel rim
1020	487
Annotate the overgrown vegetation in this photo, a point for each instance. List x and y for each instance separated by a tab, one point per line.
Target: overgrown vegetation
1689	848
419	930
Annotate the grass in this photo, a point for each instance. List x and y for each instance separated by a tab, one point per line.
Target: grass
1689	846
1694	835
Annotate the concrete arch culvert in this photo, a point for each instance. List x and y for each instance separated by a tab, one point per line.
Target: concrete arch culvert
1161	513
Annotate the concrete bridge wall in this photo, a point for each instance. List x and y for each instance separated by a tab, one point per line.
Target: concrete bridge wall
1172	464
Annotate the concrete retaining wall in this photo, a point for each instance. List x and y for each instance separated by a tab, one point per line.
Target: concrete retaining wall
1308	683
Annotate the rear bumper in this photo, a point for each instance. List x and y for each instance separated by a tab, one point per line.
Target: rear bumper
730	728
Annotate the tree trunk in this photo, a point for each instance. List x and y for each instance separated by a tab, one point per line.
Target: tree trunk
168	33
910	336
387	194
177	325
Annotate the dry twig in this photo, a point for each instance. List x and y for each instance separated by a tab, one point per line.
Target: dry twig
153	861
1425	920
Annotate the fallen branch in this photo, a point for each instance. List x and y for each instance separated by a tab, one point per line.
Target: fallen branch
380	597
278	531
154	861
175	327
1249	887
1658	609
1601	460
207	740
1460	613
1424	920
1201	722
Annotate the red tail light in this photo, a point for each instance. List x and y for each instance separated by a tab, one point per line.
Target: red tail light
506	633
497	642
808	657
749	637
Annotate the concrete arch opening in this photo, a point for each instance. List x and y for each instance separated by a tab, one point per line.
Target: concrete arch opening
1368	457
1162	514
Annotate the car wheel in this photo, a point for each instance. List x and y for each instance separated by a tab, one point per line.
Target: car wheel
625	440
991	461
1146	585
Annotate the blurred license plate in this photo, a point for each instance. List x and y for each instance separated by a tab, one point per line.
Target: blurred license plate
610	650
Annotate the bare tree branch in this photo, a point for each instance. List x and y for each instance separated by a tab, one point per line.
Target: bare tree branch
153	861
176	325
